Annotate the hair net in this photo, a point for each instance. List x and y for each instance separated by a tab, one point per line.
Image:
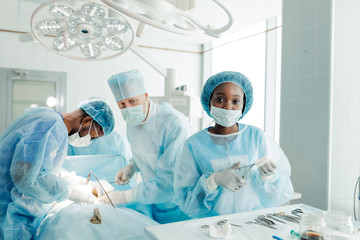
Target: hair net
100	112
127	84
234	77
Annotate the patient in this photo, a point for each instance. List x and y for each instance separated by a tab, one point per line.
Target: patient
72	222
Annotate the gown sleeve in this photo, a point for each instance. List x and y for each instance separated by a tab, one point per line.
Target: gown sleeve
36	161
191	192
278	189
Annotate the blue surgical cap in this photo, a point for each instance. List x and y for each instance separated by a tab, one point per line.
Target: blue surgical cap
127	84
234	77
100	112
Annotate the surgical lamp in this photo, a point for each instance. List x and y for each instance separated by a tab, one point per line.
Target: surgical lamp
170	15
81	29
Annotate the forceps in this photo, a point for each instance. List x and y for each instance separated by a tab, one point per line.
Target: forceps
286	217
260	223
221	222
269	216
266	220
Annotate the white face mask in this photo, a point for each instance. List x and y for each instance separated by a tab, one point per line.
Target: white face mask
225	117
77	141
134	115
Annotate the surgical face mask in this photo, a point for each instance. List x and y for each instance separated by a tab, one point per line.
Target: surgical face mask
134	115
77	141
225	117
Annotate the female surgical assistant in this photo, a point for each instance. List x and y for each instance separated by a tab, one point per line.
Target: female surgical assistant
206	181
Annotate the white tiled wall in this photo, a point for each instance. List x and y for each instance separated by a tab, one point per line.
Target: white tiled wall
87	79
305	105
345	130
320	99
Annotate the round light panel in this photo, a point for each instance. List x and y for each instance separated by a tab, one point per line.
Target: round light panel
81	29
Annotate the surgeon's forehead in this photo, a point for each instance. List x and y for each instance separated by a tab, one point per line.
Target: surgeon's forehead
229	88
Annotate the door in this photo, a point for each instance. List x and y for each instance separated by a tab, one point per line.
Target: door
21	89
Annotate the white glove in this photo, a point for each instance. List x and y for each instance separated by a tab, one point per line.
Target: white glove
119	197
81	194
266	166
226	178
124	175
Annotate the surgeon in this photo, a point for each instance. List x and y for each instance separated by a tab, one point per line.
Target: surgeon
115	153
32	150
156	133
112	144
230	167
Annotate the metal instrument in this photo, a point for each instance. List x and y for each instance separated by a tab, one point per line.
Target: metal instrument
273	218
282	215
88	179
260	223
221	222
297	212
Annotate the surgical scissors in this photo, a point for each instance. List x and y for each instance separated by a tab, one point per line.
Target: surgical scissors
248	166
258	162
297	212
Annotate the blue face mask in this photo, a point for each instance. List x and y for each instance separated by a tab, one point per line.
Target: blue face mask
134	115
225	117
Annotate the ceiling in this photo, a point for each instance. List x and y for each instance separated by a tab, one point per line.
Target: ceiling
245	13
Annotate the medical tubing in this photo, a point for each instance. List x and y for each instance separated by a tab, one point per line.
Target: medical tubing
357	182
88	178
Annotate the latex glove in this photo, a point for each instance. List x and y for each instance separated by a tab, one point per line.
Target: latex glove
81	194
124	175
119	197
226	178
266	166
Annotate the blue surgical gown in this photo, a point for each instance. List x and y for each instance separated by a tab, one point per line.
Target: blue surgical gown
155	145
32	150
205	153
111	144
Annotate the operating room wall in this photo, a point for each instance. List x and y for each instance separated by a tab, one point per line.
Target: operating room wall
89	79
305	97
319	123
345	114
